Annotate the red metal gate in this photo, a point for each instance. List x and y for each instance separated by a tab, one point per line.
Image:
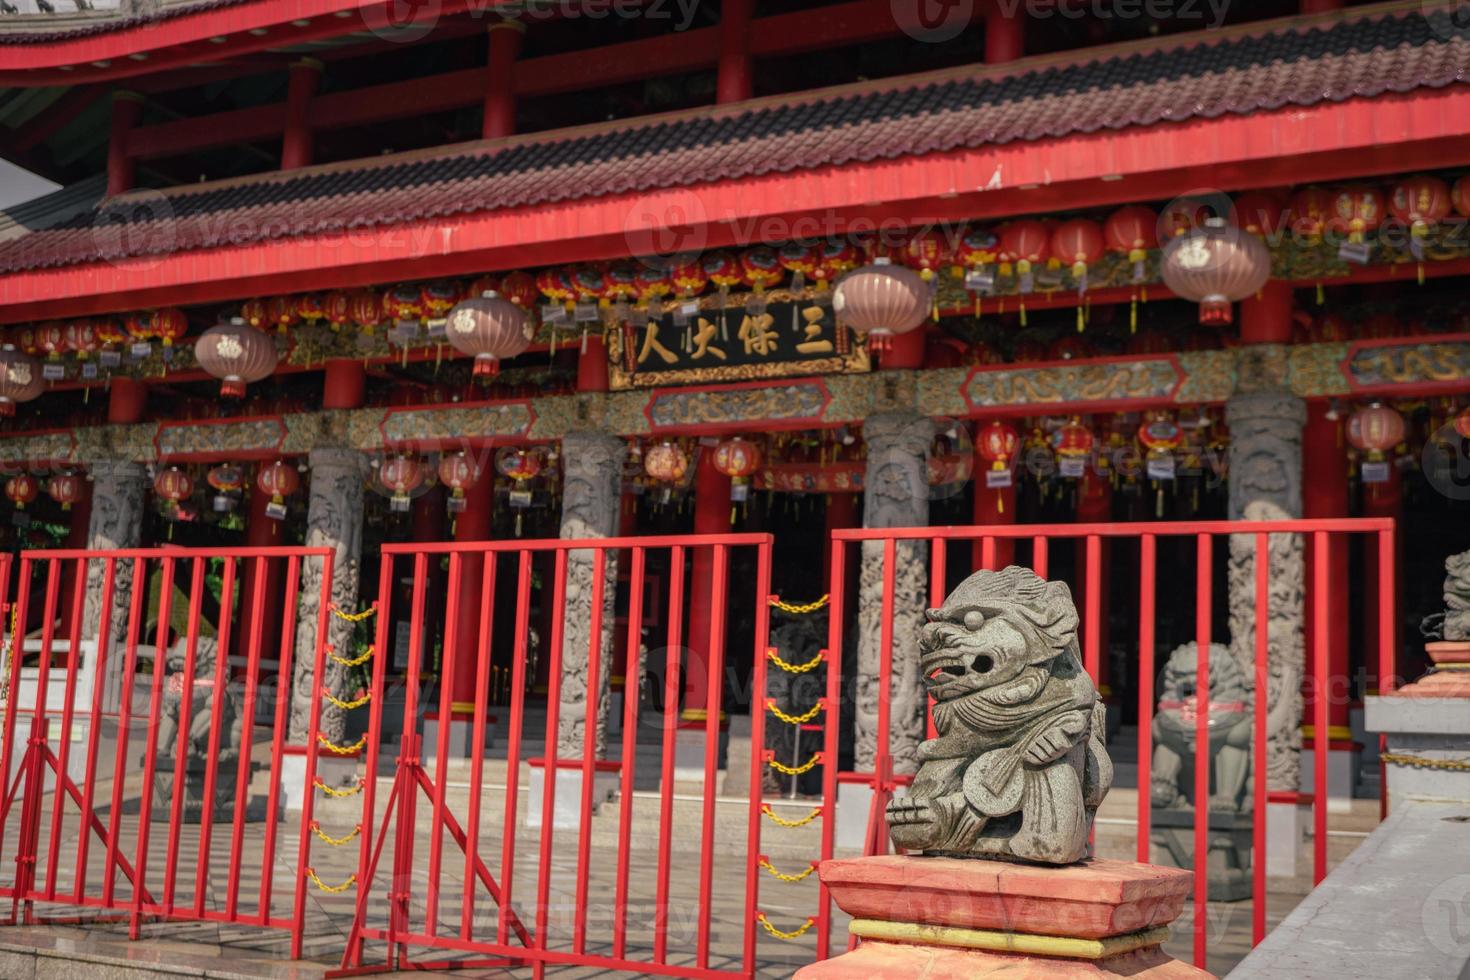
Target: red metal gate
102	686
653	920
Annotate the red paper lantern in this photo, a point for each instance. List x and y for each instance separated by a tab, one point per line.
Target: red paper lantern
799	259
309	308
401	476
169	324
555	285
760	268
928	252
520	465
1357	210
1216	266
253	312
1311	211
237	354
835	256
138	325
22	489
666	462
689	278
1023	244
1420	202
1132	231
1460	196
109	331
1261	213
723	269
1375	430
337	308
172	486
280	312
65	489
997	443
590	283
1078	243
436	299
1073	440
977	248
279	480
622	282
1159	433
51	338
881	301
1186	214
653	283
518	287
366	309
489	328
1462	423
403	303
226	478
20	379
459	473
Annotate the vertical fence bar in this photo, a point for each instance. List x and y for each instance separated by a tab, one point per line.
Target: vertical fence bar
715	689
21	785
987	553
247	736
278	736
313	731
1040	548
352	956
477	743
551	756
757	750
68	714
666	780
216	713
410	756
124	722
589	749
1147	574
632	688
186	714
145	807
1387	645
30	828
1092	639
447	667
1322	623
94	727
837	589
882	765
1203	598
1258	748
513	747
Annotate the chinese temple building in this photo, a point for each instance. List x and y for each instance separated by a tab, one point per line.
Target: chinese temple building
397	280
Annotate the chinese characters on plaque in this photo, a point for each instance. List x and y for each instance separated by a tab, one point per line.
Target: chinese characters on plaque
741	342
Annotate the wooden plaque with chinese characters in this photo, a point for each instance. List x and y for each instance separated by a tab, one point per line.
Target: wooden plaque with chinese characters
731	344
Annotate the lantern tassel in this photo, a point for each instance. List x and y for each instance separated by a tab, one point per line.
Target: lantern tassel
1081	323
1133	314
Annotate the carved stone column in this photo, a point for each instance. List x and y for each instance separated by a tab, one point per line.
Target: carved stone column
333	520
592	485
1265	484
896	494
116	522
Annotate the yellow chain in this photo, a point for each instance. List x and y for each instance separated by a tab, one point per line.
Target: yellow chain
352	617
783	876
799	608
335	841
345	662
330	746
797	770
811	664
330	889
9	652
348	705
1419	762
780	822
339	793
801	719
794	934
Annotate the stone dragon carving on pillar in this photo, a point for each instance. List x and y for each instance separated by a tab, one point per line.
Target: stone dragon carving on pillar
116	522
1265	485
592	465
334	517
896	494
1019	767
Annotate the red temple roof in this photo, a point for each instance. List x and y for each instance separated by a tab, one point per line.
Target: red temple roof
1232	72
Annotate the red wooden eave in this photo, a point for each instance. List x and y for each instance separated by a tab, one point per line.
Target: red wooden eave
1328	141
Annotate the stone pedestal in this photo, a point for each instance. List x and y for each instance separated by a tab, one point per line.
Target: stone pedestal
1428	728
942	918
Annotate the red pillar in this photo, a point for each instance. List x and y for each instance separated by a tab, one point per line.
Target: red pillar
993	505
300	89
733	78
343	384
500	96
472	524
1004	35
1379	500
1325	494
126	400
711	516
1266	317
905	351
261	531
592	366
127	109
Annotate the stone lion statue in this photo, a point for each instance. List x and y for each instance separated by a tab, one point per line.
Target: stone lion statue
1453	623
1172	781
1018	768
195	733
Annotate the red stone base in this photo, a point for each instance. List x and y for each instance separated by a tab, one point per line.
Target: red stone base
947	913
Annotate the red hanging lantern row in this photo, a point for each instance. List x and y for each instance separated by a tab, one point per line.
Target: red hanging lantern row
280	481
22	489
723	269
622	282
66	489
834	258
403	304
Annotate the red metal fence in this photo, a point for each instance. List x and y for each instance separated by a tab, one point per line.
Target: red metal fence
1322	537
85	832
